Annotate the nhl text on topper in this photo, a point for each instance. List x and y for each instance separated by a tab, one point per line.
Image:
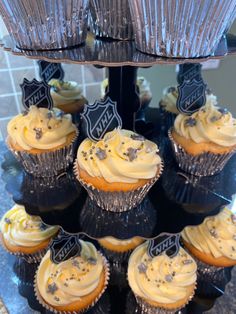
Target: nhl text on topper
100	118
35	93
48	70
189	71
165	242
64	247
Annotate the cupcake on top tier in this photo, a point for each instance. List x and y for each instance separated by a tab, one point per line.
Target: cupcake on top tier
73	285
24	235
42	140
118	170
204	141
161	284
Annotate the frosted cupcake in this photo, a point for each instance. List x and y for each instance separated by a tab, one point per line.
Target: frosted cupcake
73	285
161	284
42	140
24	235
205	141
118	170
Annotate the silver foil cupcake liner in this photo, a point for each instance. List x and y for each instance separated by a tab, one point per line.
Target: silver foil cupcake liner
180	28
53	310
119	201
47	164
167	119
209	273
205	164
111	18
46	24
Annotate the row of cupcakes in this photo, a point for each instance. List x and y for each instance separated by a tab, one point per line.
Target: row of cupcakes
159	283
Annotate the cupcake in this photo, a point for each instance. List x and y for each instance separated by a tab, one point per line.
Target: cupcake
24	235
118	170
118	250
67	96
204	141
73	285
42	140
168	107
161	284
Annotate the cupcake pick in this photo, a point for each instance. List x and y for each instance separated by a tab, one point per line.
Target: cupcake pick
48	71
165	242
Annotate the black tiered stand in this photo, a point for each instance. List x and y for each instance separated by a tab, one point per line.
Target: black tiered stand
175	201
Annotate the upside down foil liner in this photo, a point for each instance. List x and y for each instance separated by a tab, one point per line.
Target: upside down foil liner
205	164
180	28
46	24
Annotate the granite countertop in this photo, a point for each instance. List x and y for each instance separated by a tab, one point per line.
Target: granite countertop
9	282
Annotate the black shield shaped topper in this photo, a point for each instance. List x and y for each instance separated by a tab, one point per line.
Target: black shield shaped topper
191	96
64	247
48	71
36	93
189	72
165	242
100	118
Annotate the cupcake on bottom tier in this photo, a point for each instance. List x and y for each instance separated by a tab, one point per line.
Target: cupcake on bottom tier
24	235
73	285
203	142
161	284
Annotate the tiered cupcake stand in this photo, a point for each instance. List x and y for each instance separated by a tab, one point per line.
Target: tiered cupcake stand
175	201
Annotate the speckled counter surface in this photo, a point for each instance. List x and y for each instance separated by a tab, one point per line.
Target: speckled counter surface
9	282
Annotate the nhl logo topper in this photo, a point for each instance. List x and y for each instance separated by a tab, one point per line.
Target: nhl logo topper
100	118
48	71
165	242
36	93
191	89
64	247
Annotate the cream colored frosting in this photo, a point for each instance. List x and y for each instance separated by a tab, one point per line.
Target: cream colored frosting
40	128
64	92
66	282
170	95
119	242
208	125
20	229
161	279
119	158
215	236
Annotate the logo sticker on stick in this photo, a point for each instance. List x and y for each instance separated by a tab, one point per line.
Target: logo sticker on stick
48	71
100	118
35	93
168	243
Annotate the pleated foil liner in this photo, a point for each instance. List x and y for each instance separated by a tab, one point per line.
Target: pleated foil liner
212	274
167	119
119	201
46	24
205	164
111	18
53	310
47	164
180	28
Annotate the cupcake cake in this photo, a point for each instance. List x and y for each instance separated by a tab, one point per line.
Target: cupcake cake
161	284
42	140
67	96
73	285
24	235
204	141
118	170
118	250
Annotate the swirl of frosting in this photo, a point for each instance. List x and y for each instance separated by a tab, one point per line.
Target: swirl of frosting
40	128
64	283
170	95
121	156
20	229
208	124
64	92
161	279
215	236
119	242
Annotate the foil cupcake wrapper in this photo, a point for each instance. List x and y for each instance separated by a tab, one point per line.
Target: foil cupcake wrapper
209	273
205	164
119	201
116	257
53	310
118	276
167	119
47	164
46	24
179	28
111	18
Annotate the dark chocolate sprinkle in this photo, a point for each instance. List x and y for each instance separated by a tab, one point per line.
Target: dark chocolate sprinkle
52	288
190	122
